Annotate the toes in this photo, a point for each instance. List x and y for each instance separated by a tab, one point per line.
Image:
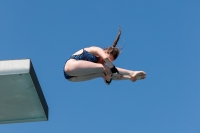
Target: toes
138	75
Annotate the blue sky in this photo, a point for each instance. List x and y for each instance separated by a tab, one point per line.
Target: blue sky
162	38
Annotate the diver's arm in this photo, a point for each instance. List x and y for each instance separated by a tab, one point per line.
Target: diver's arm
100	52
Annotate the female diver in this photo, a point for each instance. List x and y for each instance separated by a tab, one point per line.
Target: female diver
93	62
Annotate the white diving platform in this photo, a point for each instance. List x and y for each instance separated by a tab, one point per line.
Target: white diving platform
21	97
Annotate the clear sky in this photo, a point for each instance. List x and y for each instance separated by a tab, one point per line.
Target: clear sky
162	38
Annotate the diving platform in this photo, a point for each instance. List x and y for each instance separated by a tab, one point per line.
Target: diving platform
21	97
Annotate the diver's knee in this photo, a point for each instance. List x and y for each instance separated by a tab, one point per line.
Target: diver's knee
68	70
69	67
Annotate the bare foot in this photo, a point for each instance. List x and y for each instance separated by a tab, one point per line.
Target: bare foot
137	75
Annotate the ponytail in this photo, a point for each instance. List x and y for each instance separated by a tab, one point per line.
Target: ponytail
115	51
117	39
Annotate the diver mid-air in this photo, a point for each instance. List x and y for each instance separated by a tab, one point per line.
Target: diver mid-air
93	62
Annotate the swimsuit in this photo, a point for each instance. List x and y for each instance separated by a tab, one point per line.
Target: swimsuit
87	56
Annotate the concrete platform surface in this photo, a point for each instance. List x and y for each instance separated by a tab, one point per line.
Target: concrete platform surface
21	97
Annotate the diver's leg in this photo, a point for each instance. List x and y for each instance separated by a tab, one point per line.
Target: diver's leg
135	75
86	77
85	70
81	67
127	72
97	75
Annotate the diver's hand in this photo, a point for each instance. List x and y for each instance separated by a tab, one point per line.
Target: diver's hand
107	78
107	70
